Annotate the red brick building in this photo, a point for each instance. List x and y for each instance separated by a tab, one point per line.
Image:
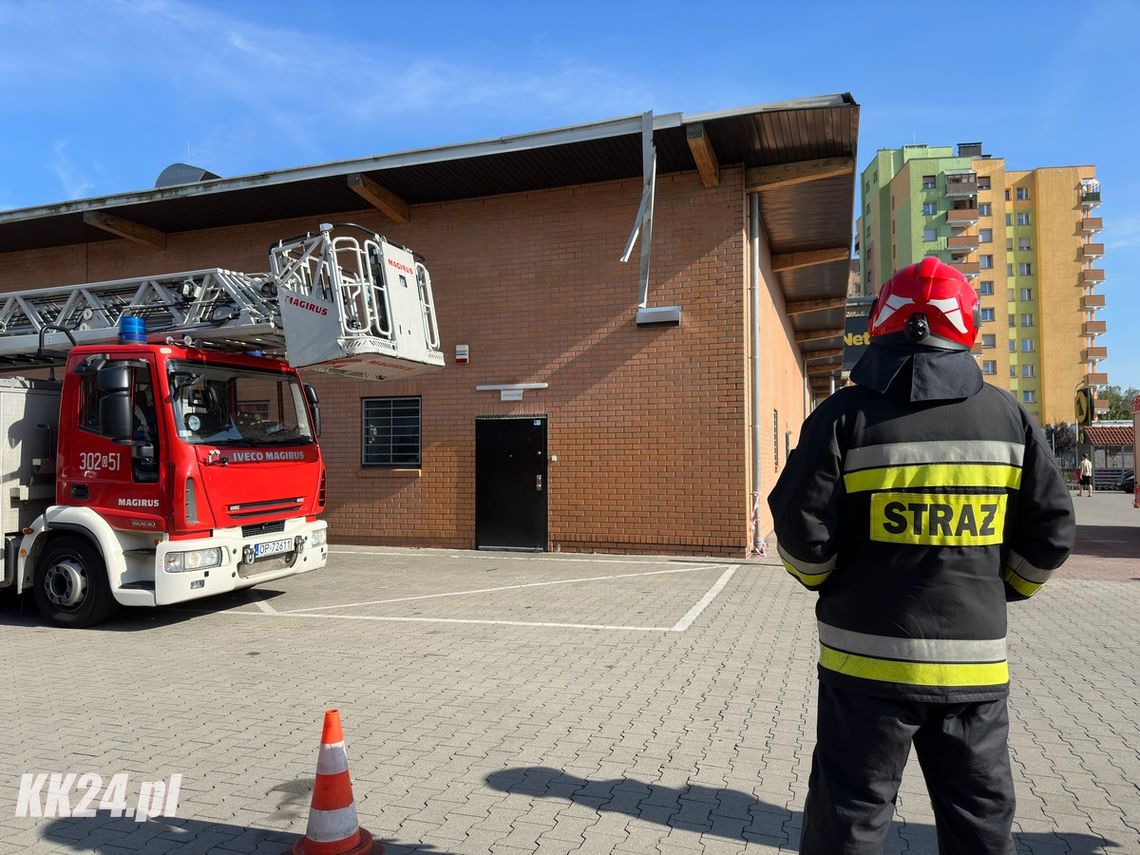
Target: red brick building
646	437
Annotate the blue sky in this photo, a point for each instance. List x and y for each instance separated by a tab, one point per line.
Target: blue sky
100	97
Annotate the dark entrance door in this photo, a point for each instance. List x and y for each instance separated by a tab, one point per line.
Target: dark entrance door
510	483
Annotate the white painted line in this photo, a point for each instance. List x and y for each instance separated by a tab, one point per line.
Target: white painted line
480	555
260	602
695	612
501	588
462	620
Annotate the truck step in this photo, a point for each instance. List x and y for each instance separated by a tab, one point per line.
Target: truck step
142	551
138	586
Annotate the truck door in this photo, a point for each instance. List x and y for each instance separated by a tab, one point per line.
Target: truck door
116	475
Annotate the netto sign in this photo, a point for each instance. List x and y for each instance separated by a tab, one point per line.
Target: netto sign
855	340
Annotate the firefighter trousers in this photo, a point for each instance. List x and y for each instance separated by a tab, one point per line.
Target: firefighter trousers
862	745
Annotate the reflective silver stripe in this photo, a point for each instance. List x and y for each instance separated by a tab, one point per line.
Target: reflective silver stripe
913	649
912	453
1026	570
329	826
808	567
332	759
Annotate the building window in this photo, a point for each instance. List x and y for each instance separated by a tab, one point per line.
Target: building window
929	209
1023	244
1013	345
1026	319
1009	244
1012	320
1028	371
929	234
1009	269
1024	268
1027	345
985	262
987	314
989	366
1007	194
1029	397
1012	372
1022	194
930	182
390	432
986	289
1025	294
983	182
989	340
985	209
1023	218
986	235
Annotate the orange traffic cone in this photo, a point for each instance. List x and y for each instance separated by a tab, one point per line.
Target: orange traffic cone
333	828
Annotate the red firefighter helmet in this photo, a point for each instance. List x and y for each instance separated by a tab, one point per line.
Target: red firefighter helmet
927	303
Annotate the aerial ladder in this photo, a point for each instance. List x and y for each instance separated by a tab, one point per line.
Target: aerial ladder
346	304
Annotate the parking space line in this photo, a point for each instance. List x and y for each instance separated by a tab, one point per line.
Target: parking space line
695	612
490	555
502	588
260	601
460	620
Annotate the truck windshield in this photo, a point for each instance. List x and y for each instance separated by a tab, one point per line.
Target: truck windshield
224	405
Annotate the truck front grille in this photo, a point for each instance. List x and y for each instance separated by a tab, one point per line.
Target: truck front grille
262	528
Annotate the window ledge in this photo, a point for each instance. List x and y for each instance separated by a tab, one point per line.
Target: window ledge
385	471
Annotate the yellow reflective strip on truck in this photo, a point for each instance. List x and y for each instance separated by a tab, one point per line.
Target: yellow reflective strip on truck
914	673
933	475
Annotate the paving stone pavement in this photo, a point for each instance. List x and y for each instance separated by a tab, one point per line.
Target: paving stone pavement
589	704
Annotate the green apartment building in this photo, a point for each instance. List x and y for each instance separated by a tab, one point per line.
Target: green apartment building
1025	239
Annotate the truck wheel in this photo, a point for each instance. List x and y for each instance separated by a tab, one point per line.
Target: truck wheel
70	583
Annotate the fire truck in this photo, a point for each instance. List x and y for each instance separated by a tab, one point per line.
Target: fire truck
177	457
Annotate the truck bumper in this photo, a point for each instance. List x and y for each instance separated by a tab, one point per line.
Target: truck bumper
246	561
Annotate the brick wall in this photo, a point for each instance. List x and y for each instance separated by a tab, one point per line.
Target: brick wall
649	425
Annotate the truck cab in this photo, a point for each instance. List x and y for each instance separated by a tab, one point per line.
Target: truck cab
181	472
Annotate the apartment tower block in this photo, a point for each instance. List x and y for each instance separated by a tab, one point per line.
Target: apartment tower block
1027	241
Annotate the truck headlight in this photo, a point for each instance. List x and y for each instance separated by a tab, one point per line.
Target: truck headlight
319	537
197	559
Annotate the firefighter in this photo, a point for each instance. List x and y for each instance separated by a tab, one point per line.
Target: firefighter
920	501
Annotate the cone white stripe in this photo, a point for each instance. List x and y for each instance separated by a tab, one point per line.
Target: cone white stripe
329	826
332	760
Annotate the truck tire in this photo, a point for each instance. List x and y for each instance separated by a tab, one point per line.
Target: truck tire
70	583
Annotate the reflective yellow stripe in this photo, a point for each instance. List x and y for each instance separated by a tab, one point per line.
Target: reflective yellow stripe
933	475
914	673
1021	585
809	579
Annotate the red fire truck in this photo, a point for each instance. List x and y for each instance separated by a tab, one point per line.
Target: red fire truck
177	457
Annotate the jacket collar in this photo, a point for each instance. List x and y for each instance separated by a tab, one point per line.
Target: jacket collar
918	373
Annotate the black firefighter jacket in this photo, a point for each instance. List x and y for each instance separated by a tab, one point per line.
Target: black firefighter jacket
917	503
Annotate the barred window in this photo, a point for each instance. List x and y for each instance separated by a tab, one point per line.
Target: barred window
390	432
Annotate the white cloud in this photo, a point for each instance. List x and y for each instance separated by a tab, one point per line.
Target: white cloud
75	183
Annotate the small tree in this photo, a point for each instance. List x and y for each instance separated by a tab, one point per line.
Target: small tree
1061	438
1119	401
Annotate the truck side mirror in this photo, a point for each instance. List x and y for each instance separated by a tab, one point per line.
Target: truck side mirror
115	415
114	377
311	395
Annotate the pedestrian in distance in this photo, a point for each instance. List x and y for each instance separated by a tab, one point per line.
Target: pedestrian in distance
919	501
1086	476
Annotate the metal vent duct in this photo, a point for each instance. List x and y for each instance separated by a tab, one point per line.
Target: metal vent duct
183	173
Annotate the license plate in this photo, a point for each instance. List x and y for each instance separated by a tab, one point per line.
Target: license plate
273	547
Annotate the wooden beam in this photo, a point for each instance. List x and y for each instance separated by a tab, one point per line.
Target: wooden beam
703	155
804	336
381	198
830	353
795	260
830	368
132	231
761	178
802	307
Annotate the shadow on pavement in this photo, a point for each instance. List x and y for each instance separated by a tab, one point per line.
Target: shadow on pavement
22	611
1108	541
730	814
104	834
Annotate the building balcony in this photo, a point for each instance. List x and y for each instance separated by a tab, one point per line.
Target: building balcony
969	268
1091	353
1090	198
1092	301
961	217
962	243
1096	379
1092	276
1092	250
960	184
1093	328
1089	225
1102	404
